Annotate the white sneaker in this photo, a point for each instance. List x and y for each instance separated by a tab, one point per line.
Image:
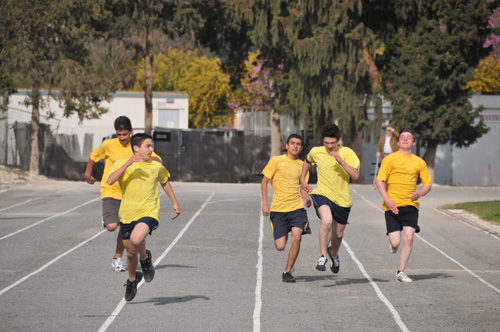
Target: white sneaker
393	250
118	264
401	276
320	266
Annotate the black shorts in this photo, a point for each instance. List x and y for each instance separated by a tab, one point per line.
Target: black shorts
282	222
407	216
128	228
110	208
340	214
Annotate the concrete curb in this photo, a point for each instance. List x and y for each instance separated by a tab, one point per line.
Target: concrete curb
474	220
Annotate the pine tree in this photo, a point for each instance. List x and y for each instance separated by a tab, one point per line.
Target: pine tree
432	50
319	46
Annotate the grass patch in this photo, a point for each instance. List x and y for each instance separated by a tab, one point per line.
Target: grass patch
488	210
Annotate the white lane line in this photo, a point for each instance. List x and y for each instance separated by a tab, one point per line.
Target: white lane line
13	206
122	303
437	249
49	263
258	286
380	295
51	217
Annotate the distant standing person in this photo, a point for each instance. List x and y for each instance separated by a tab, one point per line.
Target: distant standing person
112	150
287	211
140	207
397	184
388	143
335	165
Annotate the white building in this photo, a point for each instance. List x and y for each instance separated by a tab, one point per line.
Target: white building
170	110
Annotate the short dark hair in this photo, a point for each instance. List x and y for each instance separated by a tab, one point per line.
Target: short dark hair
331	130
295	136
123	123
138	139
408	130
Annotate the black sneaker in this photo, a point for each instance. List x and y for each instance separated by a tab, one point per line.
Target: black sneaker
287	277
335	267
320	266
147	268
132	287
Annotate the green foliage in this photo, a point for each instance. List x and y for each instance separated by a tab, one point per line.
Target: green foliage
486	210
45	47
320	45
198	76
432	49
486	76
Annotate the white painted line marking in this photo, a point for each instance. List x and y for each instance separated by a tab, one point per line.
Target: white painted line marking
380	295
13	206
437	249
49	263
122	303
52	217
258	286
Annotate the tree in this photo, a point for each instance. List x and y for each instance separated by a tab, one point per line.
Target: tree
432	50
319	45
198	76
45	48
487	74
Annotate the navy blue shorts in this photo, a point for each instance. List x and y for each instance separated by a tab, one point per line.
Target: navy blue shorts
282	222
340	214
407	216
128	228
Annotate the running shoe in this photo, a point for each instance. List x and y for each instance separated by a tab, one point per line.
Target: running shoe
401	276
147	268
117	264
287	277
132	287
320	266
335	267
393	250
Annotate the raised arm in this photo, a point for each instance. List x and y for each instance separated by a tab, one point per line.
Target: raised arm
113	177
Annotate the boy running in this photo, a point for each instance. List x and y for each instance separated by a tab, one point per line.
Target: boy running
335	165
140	208
111	150
287	208
397	184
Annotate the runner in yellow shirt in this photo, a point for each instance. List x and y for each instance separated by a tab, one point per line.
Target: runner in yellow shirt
112	150
335	165
397	184
287	211
138	177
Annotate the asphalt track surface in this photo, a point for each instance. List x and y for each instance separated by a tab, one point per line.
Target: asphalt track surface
217	268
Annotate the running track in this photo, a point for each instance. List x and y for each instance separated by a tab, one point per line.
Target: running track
217	269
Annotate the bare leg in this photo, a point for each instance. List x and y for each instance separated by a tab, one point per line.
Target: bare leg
337	236
294	250
325	229
408	233
136	245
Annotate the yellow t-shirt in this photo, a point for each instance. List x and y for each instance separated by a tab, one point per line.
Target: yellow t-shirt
400	174
139	185
285	176
111	150
333	180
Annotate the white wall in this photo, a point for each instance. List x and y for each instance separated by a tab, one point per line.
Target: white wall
129	104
